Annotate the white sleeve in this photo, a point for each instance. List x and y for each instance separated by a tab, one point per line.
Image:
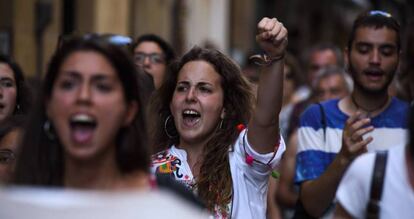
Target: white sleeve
354	188
262	163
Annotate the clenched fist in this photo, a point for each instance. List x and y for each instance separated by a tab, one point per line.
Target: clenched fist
272	37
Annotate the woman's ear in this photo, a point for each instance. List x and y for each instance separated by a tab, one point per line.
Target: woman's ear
132	111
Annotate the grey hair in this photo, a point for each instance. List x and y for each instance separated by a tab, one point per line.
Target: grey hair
330	71
322	46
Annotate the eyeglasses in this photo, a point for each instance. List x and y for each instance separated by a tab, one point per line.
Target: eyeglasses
117	39
154	58
6	156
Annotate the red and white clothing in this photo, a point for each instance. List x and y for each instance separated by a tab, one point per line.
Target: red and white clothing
250	179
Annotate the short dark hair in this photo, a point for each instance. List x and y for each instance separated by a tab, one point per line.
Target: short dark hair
375	19
41	158
165	47
23	95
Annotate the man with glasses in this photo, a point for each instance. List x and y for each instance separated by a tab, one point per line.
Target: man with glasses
331	136
153	55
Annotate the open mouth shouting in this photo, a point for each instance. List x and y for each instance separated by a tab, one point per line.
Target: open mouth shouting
82	128
191	117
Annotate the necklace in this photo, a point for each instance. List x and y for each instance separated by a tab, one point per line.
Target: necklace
369	111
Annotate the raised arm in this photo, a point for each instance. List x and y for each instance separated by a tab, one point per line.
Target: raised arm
263	132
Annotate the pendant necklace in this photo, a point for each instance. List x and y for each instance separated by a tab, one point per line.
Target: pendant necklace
369	111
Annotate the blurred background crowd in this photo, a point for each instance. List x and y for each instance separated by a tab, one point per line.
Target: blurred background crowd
29	29
156	32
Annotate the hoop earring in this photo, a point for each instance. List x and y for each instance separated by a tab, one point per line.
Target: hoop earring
47	128
17	109
166	129
221	124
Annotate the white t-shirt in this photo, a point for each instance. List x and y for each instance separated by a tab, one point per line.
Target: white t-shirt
64	203
250	181
397	196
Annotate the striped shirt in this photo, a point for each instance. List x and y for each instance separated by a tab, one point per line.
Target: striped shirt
318	144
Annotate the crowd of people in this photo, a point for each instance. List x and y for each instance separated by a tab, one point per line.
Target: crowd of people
275	139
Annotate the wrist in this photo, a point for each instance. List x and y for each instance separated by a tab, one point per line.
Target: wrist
343	160
266	60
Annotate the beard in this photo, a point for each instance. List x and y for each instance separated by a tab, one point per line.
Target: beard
359	85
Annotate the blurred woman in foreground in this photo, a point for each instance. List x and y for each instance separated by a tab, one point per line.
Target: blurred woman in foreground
87	130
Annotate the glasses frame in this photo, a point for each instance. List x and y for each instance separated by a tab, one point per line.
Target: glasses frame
150	56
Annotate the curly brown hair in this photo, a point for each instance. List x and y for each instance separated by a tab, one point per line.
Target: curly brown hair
214	185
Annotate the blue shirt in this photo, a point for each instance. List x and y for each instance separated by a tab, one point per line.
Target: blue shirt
318	145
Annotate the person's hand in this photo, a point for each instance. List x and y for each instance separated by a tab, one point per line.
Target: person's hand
352	142
272	37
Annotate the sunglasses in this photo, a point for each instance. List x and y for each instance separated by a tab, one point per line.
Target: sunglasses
6	156
378	13
114	39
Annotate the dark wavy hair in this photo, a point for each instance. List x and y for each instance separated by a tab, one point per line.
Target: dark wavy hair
11	123
23	95
41	158
214	185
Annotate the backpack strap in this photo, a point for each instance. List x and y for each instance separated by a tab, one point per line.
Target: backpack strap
323	120
377	182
